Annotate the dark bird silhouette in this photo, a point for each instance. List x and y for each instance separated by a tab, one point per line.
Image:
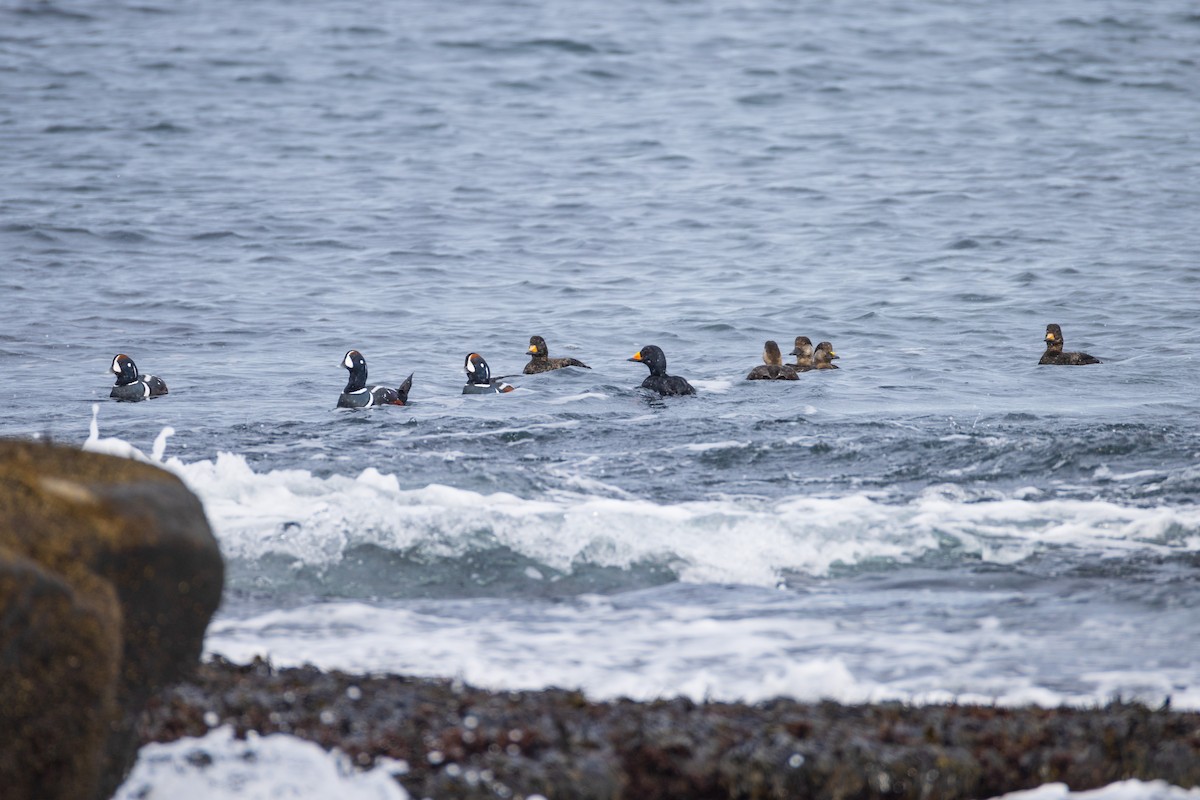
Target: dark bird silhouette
540	361
659	381
1054	350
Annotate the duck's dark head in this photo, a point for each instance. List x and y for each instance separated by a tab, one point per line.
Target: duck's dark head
1054	337
771	354
354	361
477	370
824	353
803	348
124	368
653	357
537	347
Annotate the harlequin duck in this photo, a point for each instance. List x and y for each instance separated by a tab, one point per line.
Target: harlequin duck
803	351
772	368
539	360
358	395
479	377
823	357
1054	350
132	386
659	381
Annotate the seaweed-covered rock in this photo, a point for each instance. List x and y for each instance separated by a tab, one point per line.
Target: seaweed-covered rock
109	575
462	742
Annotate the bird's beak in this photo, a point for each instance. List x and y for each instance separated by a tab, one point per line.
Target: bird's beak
533	348
833	354
636	357
794	353
1049	337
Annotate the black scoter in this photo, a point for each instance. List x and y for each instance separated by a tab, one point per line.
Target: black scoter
772	368
479	377
358	395
540	361
659	381
823	357
131	385
803	351
1054	350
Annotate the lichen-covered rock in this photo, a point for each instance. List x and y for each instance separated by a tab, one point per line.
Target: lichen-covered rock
109	575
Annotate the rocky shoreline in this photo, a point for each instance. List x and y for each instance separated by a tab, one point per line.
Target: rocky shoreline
448	740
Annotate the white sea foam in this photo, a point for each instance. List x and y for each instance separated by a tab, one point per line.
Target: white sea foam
863	645
1122	790
749	645
219	767
704	447
316	521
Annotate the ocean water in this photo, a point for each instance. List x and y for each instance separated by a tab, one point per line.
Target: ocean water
235	194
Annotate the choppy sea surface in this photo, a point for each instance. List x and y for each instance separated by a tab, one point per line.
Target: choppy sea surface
235	194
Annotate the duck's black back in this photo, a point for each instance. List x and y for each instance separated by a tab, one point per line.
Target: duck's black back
668	385
772	372
1067	359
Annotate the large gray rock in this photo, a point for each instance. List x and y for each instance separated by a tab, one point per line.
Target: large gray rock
109	574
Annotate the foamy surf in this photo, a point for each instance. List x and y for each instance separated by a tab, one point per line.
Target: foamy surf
316	521
218	766
1121	790
719	627
753	646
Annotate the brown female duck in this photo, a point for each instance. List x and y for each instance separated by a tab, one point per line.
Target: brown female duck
540	361
772	368
823	357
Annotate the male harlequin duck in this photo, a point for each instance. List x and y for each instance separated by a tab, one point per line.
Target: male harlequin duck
539	360
659	381
803	351
823	357
130	385
479	377
772	368
358	395
1054	350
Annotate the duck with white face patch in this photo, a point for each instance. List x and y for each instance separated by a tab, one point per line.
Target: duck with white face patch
131	385
358	395
479	377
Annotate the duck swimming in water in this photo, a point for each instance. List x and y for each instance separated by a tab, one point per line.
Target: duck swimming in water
131	385
479	377
772	368
1054	350
358	395
659	381
823	357
540	361
803	351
